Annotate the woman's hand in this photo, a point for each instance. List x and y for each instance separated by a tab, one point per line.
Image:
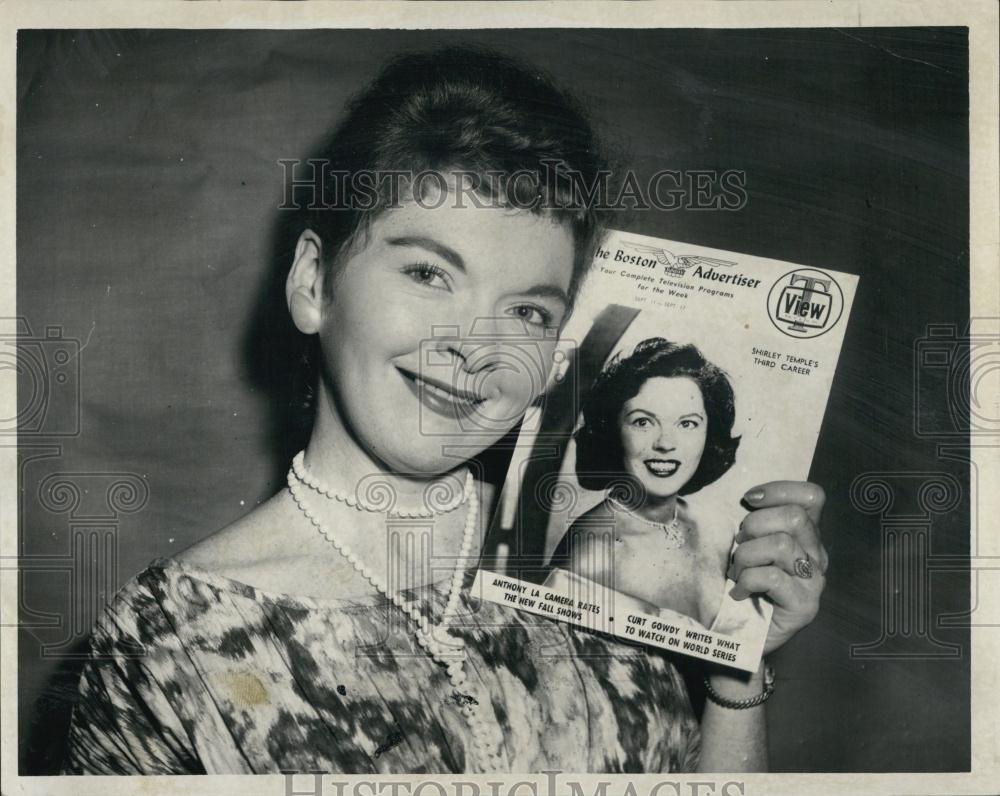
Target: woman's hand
779	546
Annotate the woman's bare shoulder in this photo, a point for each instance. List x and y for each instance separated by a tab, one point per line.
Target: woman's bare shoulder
243	542
582	535
594	516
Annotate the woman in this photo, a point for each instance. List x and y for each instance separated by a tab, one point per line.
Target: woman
657	425
348	652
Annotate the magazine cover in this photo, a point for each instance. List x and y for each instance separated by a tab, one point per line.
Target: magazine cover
686	376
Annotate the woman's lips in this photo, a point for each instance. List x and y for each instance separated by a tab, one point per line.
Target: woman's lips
662	468
441	398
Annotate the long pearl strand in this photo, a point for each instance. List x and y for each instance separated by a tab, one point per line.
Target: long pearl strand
356	502
450	653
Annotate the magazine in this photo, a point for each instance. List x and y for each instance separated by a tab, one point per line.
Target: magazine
685	377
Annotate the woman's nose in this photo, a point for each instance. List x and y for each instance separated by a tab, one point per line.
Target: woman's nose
664	441
495	342
445	341
471	346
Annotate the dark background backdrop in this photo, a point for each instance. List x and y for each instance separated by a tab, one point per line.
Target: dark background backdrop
148	231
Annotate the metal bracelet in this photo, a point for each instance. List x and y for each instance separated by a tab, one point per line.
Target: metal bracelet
750	702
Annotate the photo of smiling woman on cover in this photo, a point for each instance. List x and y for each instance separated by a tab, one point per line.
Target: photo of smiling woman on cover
313	634
657	425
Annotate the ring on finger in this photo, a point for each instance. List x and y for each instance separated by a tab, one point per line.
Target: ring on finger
803	567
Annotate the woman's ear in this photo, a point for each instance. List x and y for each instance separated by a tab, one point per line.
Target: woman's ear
304	286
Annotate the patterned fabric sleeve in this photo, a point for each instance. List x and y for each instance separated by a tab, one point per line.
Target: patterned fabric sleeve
692	755
122	722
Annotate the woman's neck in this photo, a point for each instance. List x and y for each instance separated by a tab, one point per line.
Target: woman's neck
403	552
664	511
336	459
653	508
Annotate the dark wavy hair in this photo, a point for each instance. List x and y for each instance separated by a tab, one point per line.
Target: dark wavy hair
599	453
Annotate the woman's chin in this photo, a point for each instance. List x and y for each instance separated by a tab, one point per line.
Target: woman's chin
428	461
662	490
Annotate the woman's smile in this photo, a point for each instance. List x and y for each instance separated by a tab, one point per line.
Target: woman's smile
662	468
443	399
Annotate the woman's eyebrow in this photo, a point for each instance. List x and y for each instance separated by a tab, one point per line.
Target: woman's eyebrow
431	245
699	415
644	411
546	291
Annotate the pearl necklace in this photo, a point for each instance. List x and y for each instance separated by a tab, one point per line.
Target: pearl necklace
383	493
673	529
450	651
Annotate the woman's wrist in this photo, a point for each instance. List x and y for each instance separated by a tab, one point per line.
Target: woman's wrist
734	684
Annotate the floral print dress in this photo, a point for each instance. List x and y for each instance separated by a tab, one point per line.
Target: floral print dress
191	672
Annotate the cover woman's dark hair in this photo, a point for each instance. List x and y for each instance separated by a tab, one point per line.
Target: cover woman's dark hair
599	454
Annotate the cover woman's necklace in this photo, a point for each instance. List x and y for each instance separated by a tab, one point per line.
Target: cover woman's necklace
673	530
450	653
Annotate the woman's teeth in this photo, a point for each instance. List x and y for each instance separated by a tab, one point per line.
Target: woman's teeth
662	468
448	395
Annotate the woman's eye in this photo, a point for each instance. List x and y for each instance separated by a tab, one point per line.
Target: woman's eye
642	422
529	313
689	424
427	274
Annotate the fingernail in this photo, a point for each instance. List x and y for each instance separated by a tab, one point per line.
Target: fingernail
754	495
733	594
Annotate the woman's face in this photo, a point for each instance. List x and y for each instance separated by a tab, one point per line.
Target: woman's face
441	329
663	434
